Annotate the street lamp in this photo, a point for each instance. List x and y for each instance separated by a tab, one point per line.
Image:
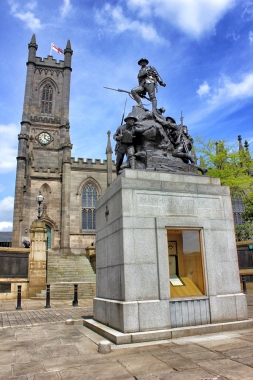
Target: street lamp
40	199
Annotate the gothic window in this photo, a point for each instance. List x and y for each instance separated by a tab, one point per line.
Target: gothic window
238	209
89	202
47	99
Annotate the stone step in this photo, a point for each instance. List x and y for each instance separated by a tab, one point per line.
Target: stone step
69	268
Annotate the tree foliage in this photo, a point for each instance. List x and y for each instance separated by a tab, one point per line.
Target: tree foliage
244	232
248	208
234	168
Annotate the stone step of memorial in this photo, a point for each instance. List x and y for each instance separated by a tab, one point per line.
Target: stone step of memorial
69	268
65	291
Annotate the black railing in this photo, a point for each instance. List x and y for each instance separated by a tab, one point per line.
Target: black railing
5	244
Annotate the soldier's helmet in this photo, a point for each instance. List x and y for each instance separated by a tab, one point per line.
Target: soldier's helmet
131	116
143	60
170	119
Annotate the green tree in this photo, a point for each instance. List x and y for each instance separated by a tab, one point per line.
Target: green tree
248	208
234	168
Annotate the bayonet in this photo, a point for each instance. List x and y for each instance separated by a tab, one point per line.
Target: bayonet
123	116
127	92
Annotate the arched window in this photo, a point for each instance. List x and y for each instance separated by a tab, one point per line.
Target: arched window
89	202
238	209
47	99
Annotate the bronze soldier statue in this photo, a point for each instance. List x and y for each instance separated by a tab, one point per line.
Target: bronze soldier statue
147	78
124	136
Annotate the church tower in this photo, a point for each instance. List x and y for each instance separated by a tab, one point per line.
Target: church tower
44	150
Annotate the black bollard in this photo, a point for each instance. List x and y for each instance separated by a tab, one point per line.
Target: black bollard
75	302
19	298
244	284
48	296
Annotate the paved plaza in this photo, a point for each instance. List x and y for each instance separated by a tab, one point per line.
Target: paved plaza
37	344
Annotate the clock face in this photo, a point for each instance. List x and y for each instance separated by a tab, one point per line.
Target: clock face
44	138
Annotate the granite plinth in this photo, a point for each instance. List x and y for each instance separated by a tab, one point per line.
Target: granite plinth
133	292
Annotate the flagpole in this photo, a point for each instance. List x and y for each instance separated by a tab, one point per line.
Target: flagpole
51	49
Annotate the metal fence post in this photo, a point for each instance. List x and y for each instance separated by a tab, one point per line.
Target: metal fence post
19	298
48	296
75	302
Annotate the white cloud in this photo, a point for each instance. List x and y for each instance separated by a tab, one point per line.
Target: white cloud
6	226
8	147
65	8
229	91
6	213
251	37
28	17
193	17
228	96
113	20
233	36
248	10
204	89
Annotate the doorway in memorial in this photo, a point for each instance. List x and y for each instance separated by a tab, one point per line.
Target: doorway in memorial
186	269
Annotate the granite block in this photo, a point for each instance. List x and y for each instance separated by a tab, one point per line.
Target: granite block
141	282
140	246
223	308
114	284
162	264
241	306
150	336
154	315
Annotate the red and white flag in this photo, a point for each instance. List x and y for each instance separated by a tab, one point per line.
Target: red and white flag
54	47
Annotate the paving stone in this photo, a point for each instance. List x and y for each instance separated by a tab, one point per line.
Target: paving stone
177	362
228	368
5	371
27	368
248	361
224	344
238	353
92	373
7	357
145	366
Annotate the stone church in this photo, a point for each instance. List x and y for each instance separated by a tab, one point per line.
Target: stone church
44	164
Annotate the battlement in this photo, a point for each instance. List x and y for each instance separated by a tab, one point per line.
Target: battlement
50	61
37	169
88	163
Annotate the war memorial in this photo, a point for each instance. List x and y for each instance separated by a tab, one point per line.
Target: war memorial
165	245
166	257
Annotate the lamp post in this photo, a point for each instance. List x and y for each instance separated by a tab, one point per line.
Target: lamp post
40	199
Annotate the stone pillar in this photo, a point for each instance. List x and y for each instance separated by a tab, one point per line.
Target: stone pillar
65	198
19	188
37	259
32	46
66	82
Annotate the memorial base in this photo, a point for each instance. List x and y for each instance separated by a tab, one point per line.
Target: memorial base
166	256
119	338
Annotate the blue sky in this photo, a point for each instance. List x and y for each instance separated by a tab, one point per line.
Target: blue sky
203	50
